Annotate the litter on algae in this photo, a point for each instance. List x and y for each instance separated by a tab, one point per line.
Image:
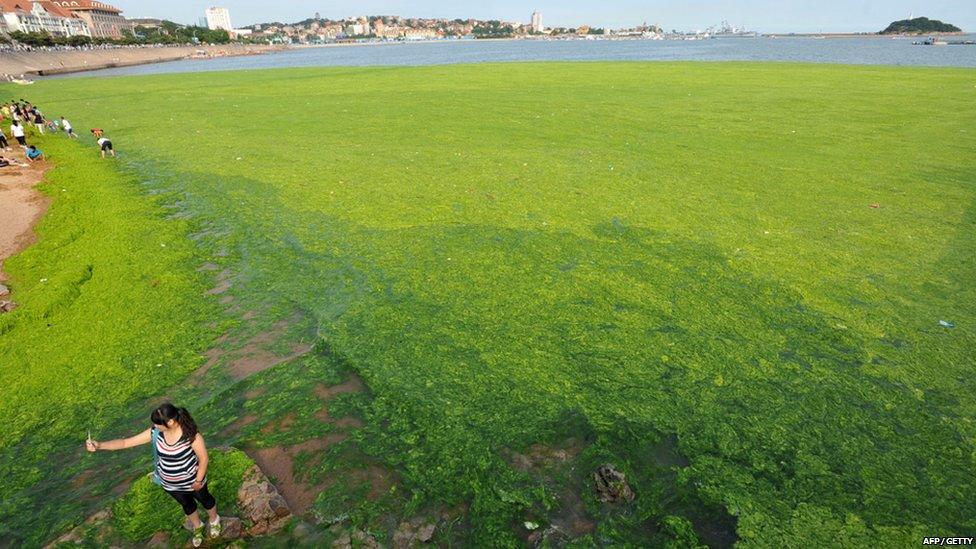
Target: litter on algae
946	324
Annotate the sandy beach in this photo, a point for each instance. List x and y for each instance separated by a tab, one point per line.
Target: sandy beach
33	63
21	205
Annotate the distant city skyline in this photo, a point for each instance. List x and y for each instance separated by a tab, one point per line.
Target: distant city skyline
759	15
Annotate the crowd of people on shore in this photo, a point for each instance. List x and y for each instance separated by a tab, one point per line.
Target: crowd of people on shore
26	119
18	47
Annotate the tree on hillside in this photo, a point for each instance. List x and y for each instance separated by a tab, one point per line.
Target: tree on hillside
492	29
919	25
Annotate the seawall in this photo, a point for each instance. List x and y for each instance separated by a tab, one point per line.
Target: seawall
61	62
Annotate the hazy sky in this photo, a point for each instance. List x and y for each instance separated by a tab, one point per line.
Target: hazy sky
761	15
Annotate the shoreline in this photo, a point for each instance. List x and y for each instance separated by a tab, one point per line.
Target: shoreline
22	206
48	63
63	62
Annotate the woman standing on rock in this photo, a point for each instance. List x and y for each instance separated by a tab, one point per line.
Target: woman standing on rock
181	460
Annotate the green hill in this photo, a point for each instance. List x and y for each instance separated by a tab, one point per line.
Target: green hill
919	25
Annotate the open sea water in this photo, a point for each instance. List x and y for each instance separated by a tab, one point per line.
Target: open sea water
846	50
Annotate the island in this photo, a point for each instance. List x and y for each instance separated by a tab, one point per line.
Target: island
920	25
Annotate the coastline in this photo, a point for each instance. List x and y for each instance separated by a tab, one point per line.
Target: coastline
45	63
63	62
21	206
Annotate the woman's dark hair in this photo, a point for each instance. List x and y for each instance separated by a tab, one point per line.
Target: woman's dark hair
166	412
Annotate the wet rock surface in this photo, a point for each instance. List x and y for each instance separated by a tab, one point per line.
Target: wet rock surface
98	522
356	538
261	505
159	541
551	536
611	485
413	533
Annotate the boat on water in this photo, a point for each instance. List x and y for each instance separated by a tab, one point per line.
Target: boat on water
730	31
931	42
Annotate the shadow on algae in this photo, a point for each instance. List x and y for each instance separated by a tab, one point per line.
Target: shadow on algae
478	338
718	392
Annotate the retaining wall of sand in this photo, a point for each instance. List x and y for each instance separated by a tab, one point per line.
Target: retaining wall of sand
60	62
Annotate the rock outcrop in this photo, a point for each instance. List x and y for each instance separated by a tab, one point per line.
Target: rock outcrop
262	508
413	533
261	505
611	485
357	538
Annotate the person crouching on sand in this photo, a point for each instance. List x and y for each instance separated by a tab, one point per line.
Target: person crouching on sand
4	144
181	460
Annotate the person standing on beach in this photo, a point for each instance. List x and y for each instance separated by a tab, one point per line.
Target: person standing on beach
17	130
38	120
181	461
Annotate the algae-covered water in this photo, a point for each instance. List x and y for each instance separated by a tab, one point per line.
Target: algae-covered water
745	262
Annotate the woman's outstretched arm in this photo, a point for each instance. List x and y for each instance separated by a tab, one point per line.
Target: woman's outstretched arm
120	443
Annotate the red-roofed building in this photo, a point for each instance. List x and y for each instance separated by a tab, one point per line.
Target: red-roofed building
19	16
105	21
62	22
43	16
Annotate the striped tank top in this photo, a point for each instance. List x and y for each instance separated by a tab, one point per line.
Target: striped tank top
178	464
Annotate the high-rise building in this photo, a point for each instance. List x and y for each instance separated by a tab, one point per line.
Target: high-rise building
219	19
536	22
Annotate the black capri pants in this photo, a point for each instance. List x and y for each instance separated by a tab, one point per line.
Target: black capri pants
189	499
